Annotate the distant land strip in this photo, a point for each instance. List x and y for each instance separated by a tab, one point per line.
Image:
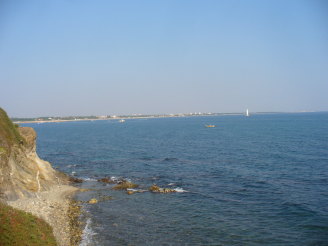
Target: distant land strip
45	119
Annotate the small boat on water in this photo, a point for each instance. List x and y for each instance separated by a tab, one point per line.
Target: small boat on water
210	126
247	113
122	121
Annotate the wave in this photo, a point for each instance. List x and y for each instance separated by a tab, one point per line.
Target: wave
297	209
87	234
146	158
88	179
72	165
130	189
113	178
180	190
170	159
136	190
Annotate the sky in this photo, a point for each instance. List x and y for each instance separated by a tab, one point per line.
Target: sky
104	57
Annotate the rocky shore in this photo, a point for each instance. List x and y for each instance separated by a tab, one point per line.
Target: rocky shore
58	209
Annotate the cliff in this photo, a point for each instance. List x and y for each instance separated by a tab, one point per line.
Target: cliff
22	172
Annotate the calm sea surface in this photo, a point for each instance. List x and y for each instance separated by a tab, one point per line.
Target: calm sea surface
259	180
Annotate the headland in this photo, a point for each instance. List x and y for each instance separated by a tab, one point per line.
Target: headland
30	184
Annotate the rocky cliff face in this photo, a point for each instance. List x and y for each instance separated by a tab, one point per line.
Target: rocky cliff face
22	172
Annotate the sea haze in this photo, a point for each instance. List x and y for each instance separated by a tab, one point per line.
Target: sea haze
258	180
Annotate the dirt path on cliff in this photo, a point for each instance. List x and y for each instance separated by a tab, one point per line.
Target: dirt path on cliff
52	206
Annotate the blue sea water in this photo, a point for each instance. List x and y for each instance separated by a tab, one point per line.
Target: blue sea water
259	180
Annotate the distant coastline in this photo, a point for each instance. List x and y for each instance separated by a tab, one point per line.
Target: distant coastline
121	117
47	119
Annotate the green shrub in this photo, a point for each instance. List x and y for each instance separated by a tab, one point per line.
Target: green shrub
18	228
9	134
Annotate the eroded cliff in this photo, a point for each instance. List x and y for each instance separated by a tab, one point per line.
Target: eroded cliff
22	172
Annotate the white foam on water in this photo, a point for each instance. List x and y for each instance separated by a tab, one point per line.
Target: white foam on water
170	184
71	165
178	189
87	234
130	189
89	179
113	178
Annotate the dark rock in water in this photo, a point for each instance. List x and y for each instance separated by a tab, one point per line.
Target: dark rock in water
93	201
156	189
167	190
123	185
75	180
105	198
106	180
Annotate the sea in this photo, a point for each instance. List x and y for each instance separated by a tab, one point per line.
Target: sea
258	180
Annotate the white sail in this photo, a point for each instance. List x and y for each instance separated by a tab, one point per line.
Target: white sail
247	113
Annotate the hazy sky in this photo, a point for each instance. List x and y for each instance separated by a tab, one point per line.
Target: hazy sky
83	57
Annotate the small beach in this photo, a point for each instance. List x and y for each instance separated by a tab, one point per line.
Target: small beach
57	208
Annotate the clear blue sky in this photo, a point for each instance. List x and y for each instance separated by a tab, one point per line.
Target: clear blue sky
100	57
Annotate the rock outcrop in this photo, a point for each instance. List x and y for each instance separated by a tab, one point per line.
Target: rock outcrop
156	189
106	180
125	184
93	201
22	172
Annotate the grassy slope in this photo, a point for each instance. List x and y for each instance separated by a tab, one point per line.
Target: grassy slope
9	134
18	228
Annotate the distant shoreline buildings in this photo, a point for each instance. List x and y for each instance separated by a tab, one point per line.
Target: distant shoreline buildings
132	116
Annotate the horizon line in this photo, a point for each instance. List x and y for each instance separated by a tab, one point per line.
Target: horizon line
111	116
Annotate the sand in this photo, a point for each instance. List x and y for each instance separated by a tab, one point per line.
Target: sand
54	207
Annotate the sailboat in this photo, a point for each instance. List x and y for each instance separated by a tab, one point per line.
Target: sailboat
247	113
